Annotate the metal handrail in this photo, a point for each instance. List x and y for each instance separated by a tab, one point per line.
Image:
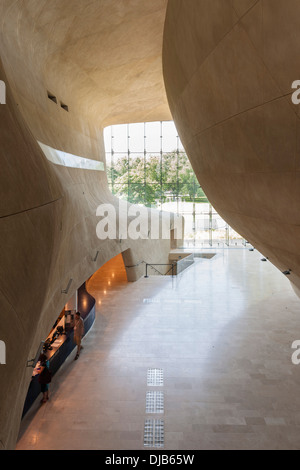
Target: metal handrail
160	264
151	265
65	291
171	269
136	265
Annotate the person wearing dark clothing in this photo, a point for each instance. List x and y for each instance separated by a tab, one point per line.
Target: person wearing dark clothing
78	332
44	377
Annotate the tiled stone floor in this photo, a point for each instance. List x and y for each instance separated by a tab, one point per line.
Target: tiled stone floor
221	332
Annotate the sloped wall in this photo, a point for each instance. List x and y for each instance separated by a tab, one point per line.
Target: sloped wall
48	212
229	66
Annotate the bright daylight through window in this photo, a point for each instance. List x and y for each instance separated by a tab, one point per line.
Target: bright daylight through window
147	165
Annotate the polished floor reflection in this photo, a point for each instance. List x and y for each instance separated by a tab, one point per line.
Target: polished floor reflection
219	335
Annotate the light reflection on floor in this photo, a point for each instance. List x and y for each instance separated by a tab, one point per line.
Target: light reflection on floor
221	333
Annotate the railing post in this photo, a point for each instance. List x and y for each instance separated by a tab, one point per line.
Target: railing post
146	270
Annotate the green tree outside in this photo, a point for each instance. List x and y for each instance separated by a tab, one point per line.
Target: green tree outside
155	180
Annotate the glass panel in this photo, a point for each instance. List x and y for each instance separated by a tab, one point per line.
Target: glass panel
107	138
152	195
119	138
202	225
199	194
168	198
136	193
121	168
136	168
109	167
153	136
136	137
180	146
234	238
163	178
153	168
169	137
170	170
121	190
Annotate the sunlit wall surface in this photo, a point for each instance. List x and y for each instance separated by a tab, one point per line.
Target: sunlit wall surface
147	164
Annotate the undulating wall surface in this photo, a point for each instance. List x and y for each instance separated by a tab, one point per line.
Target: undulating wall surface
103	61
229	66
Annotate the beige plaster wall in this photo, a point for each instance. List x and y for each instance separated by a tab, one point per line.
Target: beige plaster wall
81	52
228	68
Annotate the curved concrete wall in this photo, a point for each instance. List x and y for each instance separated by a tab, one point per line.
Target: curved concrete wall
229	66
76	51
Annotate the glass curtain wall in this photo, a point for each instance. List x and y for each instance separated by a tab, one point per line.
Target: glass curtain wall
147	165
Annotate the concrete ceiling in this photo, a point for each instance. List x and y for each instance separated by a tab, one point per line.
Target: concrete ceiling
103	57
